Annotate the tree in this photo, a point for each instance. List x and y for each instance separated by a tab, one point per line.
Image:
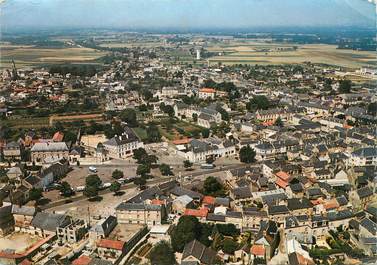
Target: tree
92	185
213	187
205	133
35	194
279	122
140	181
210	160
117	174
224	113
257	103
115	187
247	154
153	134
129	116
142	170
140	154
345	86
372	108
195	117
187	229
93	180
168	109
229	246
162	254
66	189
165	170
228	229
91	191
187	164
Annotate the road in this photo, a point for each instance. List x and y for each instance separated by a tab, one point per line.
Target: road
129	186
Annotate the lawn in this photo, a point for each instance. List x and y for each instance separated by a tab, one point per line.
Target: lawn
141	133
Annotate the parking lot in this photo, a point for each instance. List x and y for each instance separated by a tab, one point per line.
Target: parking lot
84	209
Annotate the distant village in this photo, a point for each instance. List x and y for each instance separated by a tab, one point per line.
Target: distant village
152	161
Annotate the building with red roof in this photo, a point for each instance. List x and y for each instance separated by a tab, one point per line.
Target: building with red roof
205	93
82	260
58	137
200	213
208	200
112	250
258	251
283	176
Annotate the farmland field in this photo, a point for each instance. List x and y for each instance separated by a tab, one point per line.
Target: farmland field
272	53
33	56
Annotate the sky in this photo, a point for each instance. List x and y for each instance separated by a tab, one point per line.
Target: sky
185	14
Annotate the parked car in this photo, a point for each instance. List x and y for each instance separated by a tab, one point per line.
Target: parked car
93	169
80	188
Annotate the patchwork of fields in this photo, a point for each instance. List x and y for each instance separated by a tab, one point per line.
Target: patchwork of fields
32	56
265	53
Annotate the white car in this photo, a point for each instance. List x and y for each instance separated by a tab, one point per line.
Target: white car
80	188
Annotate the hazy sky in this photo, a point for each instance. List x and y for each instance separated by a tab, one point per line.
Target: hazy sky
185	14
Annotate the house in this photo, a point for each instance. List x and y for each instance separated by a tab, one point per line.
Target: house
205	93
123	146
103	228
140	213
199	213
268	238
73	232
46	224
49	151
181	203
200	150
112	250
364	156
14	173
6	220
12	151
197	252
23	216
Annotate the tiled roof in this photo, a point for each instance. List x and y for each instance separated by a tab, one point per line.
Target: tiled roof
257	250
83	260
197	213
113	244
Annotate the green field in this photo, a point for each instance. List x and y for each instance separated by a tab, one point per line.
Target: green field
36	122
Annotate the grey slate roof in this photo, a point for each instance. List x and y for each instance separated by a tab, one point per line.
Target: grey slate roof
369	225
364	192
23	210
124	206
49	147
199	251
49	221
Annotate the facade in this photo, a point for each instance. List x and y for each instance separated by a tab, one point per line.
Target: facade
205	93
73	232
139	213
43	152
12	151
123	146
